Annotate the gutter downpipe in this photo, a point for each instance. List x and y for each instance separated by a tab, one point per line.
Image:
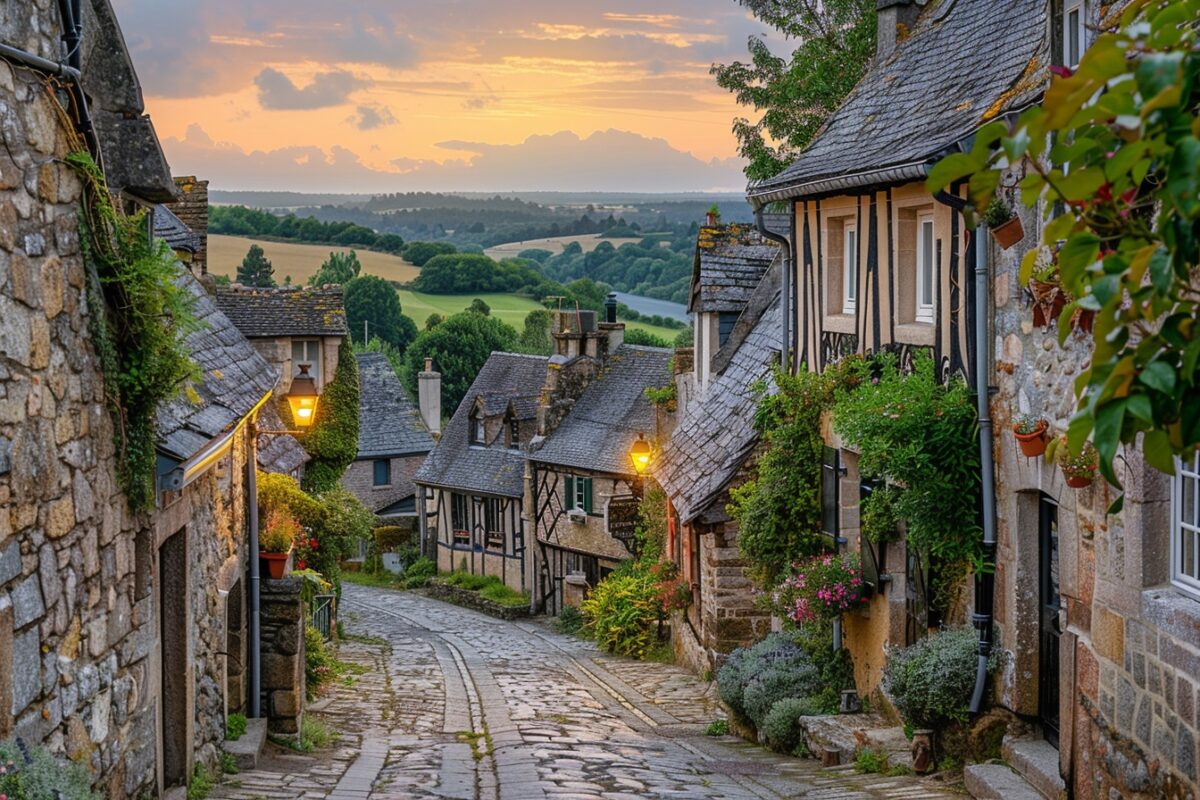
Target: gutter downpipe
253	626
985	582
786	288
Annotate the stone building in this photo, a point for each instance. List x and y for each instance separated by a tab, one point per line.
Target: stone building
709	452
393	441
472	485
290	326
583	489
121	633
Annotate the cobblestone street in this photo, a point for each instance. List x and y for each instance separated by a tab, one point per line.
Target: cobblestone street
459	705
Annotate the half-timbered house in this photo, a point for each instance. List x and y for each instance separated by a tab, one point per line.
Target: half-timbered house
878	263
472	484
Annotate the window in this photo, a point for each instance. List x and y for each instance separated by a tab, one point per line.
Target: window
1074	13
1185	526
307	352
850	271
493	529
926	272
514	432
578	493
383	472
477	428
725	322
458	519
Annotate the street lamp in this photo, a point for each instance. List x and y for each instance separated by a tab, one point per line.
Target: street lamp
302	397
639	454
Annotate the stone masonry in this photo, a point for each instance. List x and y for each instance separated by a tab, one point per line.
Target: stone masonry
283	654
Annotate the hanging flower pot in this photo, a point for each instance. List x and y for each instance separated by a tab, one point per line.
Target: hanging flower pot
1080	469
1049	299
1031	435
1008	233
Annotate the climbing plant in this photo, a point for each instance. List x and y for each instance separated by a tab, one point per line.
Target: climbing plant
778	510
1113	153
333	440
140	317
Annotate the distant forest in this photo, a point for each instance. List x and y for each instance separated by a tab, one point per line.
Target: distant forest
658	265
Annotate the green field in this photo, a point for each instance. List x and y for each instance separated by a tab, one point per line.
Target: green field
510	308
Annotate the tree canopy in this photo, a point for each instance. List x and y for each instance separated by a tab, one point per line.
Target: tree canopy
371	299
419	253
459	347
794	96
256	269
339	268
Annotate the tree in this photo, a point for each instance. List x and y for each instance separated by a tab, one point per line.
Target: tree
333	439
535	338
256	269
419	253
836	41
645	338
479	307
1124	228
339	269
373	300
459	347
433	320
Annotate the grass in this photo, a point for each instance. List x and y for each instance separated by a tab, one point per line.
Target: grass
229	764
314	735
200	785
718	727
383	579
235	727
301	261
488	586
588	241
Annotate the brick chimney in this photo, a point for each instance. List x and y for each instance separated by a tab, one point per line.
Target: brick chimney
192	210
429	398
894	19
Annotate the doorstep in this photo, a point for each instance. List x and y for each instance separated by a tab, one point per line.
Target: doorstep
247	748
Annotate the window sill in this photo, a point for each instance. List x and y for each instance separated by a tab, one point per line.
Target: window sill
921	334
841	323
1173	610
382	486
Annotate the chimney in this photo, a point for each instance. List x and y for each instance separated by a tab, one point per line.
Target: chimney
894	19
610	308
192	210
429	397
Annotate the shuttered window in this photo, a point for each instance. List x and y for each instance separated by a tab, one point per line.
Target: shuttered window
578	493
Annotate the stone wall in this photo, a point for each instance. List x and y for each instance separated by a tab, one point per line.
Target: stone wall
192	210
469	599
359	480
77	621
282	614
1130	643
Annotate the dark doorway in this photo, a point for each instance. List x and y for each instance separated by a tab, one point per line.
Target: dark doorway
172	599
1049	629
916	596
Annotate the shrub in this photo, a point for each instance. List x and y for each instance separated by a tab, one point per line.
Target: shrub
869	760
500	593
419	572
781	727
754	679
624	611
821	587
930	682
235	727
729	681
33	774
389	538
570	620
333	439
718	727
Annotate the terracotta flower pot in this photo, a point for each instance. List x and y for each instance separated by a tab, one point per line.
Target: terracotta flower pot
1009	233
1033	444
922	751
1078	481
1049	299
276	563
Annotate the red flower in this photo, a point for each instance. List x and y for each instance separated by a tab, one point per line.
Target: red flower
1104	193
301	564
1061	71
313	544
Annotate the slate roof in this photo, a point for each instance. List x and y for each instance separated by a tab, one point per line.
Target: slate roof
607	418
454	463
174	232
965	63
280	454
389	423
730	262
233	379
716	434
286	311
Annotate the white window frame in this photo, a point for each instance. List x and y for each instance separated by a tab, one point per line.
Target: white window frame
926	283
850	270
1079	9
307	346
1187	478
580	491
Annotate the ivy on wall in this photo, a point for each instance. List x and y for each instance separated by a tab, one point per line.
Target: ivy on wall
140	317
333	440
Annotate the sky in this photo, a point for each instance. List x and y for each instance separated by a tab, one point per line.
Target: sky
443	95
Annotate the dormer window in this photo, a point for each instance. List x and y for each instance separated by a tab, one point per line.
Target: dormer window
477	428
1074	41
307	351
512	427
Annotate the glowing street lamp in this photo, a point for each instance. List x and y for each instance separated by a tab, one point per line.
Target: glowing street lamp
302	398
639	454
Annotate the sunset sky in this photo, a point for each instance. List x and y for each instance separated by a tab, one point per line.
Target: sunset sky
388	95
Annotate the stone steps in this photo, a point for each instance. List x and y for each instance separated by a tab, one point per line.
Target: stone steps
247	749
1031	773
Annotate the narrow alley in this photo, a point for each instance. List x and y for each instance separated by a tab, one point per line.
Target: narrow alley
459	705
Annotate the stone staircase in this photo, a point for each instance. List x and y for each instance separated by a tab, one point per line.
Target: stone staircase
1030	772
247	749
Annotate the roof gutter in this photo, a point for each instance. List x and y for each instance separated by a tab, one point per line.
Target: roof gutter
762	196
785	246
201	462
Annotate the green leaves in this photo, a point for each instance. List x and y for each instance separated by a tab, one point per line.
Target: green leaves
1183	181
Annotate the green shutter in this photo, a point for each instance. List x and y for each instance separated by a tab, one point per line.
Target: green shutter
587	494
570	493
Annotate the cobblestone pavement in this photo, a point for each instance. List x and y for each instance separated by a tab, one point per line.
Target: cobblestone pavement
462	706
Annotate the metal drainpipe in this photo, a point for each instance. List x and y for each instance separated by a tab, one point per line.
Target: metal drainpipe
785	291
985	582
253	628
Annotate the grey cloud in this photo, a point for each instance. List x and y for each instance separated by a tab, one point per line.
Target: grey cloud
276	90
368	118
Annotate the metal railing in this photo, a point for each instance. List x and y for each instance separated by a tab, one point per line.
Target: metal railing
323	613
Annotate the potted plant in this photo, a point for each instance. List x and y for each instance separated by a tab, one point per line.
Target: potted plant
821	587
276	540
713	217
1031	434
1079	469
1005	226
1045	284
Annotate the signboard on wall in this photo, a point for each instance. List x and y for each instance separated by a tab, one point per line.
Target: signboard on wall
623	521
